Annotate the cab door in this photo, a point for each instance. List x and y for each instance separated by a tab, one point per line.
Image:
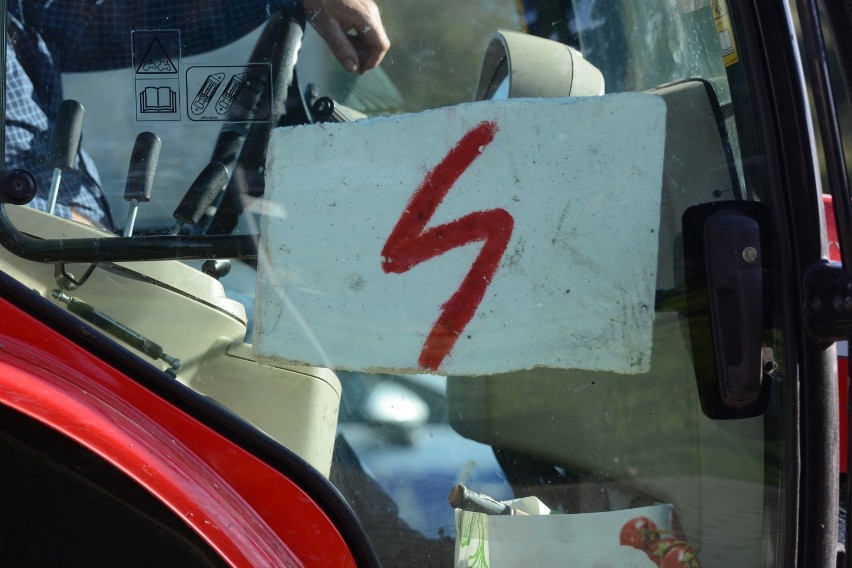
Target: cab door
828	70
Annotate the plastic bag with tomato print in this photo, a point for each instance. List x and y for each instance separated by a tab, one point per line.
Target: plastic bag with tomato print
642	538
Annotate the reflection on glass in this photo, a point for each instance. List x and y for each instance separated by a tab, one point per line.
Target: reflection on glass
582	442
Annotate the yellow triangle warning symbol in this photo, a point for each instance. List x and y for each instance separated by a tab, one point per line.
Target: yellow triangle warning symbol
156	60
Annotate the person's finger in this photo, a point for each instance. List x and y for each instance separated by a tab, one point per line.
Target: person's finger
371	43
339	43
352	29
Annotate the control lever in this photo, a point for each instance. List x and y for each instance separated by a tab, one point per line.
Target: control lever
227	151
228	144
66	144
140	175
200	196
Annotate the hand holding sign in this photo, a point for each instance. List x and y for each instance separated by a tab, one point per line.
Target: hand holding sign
524	234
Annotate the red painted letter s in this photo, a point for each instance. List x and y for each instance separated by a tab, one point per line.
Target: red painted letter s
411	243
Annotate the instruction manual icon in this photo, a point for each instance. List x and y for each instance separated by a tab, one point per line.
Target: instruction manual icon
157	99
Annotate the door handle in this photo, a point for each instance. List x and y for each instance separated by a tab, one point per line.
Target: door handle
735	297
725	248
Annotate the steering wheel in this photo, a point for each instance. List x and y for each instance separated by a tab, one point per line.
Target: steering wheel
242	147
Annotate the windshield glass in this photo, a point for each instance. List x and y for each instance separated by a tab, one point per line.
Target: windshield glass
465	272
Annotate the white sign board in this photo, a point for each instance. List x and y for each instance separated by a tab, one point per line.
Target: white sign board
477	239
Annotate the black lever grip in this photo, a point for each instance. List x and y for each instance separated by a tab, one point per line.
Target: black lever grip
228	146
143	166
202	193
66	137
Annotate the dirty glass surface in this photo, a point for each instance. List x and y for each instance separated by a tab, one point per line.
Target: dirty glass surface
637	467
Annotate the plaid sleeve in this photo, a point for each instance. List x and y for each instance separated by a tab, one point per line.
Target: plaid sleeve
28	136
95	34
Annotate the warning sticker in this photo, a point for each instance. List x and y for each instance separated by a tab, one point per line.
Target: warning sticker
156	60
156	65
232	93
156	52
725	31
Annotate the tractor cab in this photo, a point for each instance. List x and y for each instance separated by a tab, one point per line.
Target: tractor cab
550	285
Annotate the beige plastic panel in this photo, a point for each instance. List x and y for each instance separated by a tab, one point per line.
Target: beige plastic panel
189	315
296	405
644	432
178	307
536	67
